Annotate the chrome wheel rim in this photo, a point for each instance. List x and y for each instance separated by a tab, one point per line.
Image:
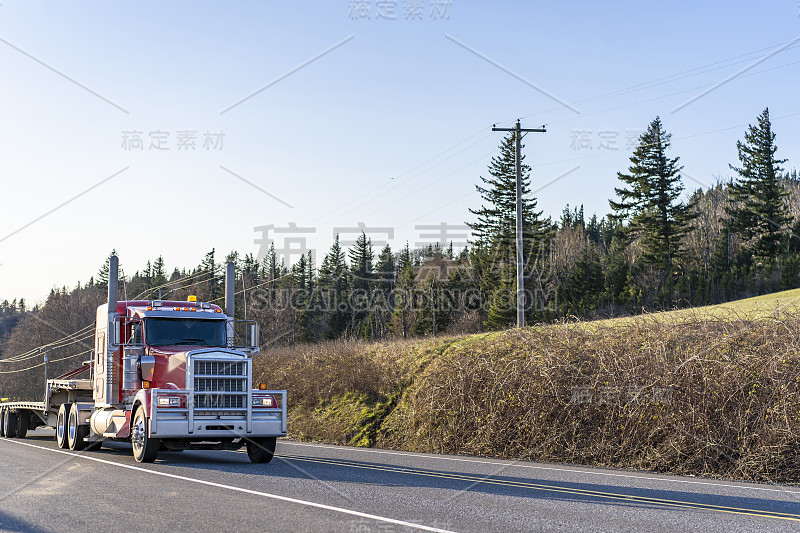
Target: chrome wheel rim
60	428
137	433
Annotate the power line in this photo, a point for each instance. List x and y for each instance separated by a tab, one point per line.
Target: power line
38	351
396	181
60	343
44	362
665	79
207	276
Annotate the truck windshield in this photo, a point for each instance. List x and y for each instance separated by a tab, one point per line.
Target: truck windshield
184	331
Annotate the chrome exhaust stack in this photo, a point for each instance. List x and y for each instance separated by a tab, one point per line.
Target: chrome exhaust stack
230	291
113	333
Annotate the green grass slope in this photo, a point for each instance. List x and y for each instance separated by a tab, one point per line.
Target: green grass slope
711	391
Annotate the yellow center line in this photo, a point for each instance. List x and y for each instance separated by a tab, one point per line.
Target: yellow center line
553	488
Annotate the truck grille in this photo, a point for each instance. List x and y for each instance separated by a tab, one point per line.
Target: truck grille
222	385
220	388
219	401
220	368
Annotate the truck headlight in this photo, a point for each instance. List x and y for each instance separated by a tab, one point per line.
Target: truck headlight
169	401
264	401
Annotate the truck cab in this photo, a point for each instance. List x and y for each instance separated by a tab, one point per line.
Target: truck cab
174	375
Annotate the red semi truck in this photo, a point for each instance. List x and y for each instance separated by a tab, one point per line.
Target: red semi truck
164	375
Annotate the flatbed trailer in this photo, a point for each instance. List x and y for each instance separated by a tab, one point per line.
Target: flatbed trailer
17	418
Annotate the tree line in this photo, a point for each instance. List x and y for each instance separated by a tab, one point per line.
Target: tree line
658	248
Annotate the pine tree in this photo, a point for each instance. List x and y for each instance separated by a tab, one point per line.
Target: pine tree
102	274
301	297
209	267
758	210
650	204
496	224
273	271
503	305
382	289
361	262
495	229
333	284
405	288
159	273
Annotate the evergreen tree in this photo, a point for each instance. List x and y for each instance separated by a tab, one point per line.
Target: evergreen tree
361	262
102	274
495	229
384	269
383	306
650	203
272	271
209	266
404	293
332	283
758	210
301	297
503	305
429	319
496	224
159	274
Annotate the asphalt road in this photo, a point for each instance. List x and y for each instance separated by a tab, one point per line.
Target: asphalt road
325	488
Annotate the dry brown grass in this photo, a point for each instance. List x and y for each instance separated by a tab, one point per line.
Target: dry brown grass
700	396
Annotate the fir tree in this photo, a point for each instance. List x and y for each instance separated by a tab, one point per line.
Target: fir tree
383	306
495	229
301	296
332	283
758	210
272	271
159	273
102	274
496	224
361	261
405	288
650	203
209	267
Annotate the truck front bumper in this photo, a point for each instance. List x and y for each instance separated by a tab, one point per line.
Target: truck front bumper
185	423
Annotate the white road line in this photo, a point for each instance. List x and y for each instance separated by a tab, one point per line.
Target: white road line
512	463
240	489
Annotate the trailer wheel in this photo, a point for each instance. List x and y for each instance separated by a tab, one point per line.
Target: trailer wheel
23	418
145	449
61	425
10	424
261	449
2	422
76	434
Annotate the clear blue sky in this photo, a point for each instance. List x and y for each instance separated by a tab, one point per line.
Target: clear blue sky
391	128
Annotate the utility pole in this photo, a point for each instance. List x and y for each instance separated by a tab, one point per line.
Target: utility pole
518	131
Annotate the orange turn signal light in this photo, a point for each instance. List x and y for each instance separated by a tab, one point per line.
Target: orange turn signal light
145	384
262	386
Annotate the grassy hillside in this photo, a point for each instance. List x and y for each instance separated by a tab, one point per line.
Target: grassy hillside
758	307
712	391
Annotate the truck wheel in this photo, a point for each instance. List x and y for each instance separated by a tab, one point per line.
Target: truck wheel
10	424
76	434
22	424
261	449
61	425
2	422
145	449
